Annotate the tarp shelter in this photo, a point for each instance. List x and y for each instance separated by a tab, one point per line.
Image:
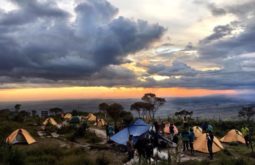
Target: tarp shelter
68	116
91	117
138	128
100	123
233	136
197	131
200	144
75	120
166	129
20	136
51	121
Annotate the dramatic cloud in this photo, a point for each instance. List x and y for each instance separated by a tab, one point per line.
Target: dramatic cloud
37	40
177	69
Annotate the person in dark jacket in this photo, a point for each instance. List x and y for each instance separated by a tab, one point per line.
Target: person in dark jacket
130	148
191	140
185	139
210	138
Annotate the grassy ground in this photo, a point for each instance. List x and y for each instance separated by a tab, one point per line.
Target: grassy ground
89	150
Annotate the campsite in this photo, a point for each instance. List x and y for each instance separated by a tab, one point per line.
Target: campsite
83	138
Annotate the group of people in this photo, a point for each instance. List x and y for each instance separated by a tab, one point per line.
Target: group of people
144	145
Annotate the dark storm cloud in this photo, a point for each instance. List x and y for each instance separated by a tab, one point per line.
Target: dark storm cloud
38	41
177	69
218	33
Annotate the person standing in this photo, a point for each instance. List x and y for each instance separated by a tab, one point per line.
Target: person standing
185	139
162	127
171	131
107	131
191	140
130	148
210	138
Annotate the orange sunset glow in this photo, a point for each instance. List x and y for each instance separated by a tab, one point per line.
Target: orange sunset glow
101	92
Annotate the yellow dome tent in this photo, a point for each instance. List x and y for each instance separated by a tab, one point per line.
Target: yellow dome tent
100	123
20	136
91	117
197	131
68	116
200	144
233	136
51	121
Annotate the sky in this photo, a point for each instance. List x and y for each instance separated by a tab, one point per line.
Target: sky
72	49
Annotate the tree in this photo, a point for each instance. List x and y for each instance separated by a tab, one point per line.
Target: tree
184	113
157	102
247	113
141	107
103	108
56	111
114	111
17	107
127	117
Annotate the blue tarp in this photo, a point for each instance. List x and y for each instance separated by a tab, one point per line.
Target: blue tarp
138	128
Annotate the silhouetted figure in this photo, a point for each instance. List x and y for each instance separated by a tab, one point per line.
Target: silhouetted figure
185	139
107	131
210	138
171	131
204	127
175	139
191	140
157	127
130	148
162	127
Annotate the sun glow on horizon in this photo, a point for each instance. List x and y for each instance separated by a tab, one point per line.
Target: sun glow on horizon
62	93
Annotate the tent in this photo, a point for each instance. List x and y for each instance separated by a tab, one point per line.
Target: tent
138	128
91	117
197	131
75	120
20	136
233	136
68	116
200	144
51	121
166	129
100	123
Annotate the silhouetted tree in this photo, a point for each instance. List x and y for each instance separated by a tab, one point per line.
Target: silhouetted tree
114	110
184	113
127	117
103	108
247	113
141	107
17	107
157	102
56	111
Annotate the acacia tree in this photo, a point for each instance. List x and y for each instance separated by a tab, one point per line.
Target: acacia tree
184	113
247	113
141	107
114	111
55	111
157	102
17	107
103	108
